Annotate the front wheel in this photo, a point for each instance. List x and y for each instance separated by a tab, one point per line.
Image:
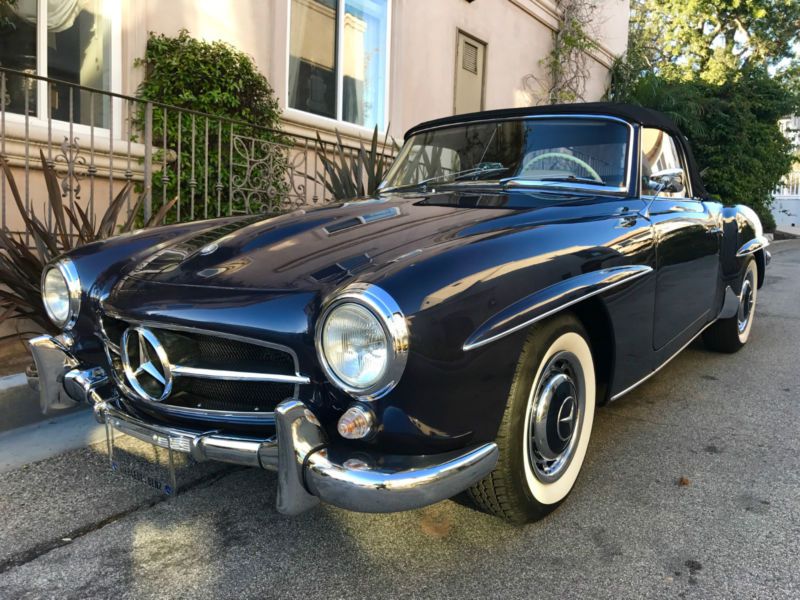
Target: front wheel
546	425
729	335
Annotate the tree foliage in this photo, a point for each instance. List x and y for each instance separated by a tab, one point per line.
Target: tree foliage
723	70
712	38
733	130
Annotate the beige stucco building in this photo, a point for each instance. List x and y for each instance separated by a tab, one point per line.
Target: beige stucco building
343	64
411	46
335	65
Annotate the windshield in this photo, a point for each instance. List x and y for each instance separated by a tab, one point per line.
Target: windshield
552	150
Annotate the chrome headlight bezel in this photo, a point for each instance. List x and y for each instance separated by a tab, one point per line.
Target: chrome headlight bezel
73	283
393	322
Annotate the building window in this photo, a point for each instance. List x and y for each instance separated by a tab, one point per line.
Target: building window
338	54
69	40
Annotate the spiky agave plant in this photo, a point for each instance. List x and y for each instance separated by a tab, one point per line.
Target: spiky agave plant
22	261
348	174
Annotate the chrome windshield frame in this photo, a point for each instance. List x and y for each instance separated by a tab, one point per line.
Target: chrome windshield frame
538	183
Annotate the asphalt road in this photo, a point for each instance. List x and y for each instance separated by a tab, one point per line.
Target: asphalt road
690	489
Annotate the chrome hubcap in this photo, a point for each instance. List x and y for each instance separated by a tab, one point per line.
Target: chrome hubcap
556	415
745	303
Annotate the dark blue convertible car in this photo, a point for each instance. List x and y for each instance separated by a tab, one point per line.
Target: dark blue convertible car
454	333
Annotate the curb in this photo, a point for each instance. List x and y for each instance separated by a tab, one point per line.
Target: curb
19	404
11	381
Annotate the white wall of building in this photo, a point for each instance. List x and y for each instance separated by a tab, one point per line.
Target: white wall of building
786	202
518	34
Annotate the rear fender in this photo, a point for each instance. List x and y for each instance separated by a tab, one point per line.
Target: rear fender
742	237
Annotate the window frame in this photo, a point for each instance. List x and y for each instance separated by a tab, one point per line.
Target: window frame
330	122
688	193
41	118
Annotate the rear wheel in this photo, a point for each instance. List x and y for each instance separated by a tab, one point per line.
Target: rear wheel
729	335
546	425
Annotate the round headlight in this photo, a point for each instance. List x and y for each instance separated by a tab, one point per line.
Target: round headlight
61	293
355	345
362	341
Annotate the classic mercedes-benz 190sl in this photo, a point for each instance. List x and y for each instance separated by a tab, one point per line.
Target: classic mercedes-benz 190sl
454	333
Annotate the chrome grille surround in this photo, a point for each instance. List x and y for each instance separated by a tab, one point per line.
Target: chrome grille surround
111	326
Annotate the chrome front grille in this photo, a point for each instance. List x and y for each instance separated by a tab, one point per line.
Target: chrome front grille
212	372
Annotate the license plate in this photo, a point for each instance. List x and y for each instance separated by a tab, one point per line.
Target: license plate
157	465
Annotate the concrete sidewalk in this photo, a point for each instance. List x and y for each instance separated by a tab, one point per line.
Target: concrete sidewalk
48	438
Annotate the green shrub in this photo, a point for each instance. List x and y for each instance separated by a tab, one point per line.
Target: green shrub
216	79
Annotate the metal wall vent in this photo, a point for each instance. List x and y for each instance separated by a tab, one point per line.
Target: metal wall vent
469	61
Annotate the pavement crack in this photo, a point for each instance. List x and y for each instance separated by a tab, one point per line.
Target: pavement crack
21	558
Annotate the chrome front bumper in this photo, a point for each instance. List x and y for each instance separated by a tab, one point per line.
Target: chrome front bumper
309	467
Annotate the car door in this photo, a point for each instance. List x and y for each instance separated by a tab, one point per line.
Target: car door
687	248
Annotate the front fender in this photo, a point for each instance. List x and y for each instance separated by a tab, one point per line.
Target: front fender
552	299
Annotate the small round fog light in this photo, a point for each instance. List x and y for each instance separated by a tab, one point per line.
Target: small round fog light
356	423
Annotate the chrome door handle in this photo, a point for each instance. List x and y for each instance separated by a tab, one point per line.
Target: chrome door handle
627	221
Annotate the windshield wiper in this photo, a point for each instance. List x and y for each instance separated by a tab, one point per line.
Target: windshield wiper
478	169
574	179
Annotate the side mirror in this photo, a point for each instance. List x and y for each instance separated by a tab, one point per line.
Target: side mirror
667	180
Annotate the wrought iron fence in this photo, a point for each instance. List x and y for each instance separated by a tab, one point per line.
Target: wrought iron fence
790	186
98	141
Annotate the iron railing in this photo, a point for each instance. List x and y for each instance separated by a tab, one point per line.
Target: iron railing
97	141
790	186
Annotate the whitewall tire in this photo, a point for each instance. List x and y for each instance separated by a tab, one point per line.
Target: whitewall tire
730	335
546	426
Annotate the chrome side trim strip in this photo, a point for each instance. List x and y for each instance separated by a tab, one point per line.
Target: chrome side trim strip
757	243
662	365
541	304
200	373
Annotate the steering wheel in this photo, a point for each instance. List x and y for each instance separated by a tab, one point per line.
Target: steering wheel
565	156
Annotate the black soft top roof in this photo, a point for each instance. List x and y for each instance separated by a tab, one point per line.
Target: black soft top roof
628	112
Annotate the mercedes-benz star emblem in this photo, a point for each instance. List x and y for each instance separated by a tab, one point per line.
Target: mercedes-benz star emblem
146	365
566	418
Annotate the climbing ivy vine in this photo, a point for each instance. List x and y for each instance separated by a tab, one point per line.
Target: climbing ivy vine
566	67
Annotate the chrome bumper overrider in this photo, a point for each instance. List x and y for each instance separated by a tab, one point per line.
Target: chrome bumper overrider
309	467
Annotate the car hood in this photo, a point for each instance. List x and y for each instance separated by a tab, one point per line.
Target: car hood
330	245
